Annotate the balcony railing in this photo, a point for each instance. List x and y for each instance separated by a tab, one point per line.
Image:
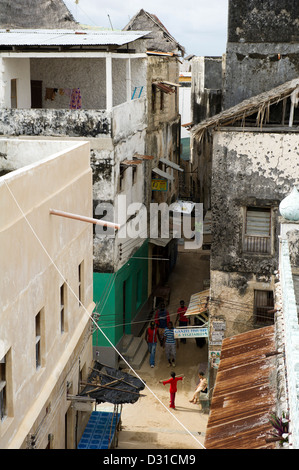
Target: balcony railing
257	244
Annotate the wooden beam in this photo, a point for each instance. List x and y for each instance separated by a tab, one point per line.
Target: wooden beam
82	218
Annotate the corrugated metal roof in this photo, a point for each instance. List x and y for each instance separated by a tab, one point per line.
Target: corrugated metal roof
198	303
244	395
65	37
163	174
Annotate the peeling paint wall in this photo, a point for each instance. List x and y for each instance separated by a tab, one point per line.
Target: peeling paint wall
262	48
206	91
249	169
164	123
55	122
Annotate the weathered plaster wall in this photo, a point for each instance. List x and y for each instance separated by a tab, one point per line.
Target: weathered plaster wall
163	133
206	88
55	122
232	299
254	68
275	21
262	47
249	168
202	169
129	136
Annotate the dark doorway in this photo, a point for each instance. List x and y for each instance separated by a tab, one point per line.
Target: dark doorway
36	94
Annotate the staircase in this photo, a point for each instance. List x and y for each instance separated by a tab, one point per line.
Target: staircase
134	350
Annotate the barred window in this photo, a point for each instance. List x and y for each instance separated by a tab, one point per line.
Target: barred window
257	233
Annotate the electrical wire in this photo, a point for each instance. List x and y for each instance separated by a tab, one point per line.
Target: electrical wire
84	12
91	318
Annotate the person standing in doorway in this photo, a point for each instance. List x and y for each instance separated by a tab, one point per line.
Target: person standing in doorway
181	318
151	336
170	344
172	387
162	319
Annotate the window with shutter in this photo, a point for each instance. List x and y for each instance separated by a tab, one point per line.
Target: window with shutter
257	236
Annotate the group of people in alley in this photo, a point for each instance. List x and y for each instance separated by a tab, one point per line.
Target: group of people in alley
161	330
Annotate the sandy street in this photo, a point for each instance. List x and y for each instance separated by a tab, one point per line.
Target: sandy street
150	423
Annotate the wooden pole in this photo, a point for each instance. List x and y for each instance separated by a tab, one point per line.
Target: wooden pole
82	218
111	388
112	377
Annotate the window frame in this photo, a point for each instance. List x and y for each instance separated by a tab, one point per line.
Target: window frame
63	307
3	389
263	317
255	243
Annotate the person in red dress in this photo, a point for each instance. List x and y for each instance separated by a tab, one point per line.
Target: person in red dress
172	387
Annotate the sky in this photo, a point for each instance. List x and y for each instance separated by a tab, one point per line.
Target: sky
201	29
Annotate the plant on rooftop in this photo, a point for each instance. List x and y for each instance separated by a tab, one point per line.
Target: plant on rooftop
281	426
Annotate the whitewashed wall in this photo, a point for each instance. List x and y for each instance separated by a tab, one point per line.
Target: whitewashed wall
18	69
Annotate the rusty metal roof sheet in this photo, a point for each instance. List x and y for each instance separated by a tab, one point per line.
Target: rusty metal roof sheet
198	303
245	393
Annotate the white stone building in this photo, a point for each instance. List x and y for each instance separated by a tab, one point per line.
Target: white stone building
46	292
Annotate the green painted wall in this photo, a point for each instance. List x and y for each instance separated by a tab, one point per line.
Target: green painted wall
119	297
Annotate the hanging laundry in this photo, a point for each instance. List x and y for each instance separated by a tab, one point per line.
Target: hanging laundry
67	91
50	94
75	101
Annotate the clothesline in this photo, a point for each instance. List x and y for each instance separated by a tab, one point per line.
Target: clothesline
73	93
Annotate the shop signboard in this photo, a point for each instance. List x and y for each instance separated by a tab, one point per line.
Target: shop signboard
159	185
191	332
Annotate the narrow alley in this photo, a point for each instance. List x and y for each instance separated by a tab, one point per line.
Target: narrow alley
149	423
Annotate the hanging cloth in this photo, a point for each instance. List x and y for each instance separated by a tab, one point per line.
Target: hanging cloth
75	101
50	94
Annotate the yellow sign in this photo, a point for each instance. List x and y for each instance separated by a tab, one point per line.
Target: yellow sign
159	185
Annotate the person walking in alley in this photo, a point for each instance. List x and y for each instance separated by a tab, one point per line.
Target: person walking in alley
162	319
181	318
170	344
151	336
202	387
172	387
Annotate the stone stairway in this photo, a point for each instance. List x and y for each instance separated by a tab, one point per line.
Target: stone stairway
134	350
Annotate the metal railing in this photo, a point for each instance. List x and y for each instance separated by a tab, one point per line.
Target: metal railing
257	244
